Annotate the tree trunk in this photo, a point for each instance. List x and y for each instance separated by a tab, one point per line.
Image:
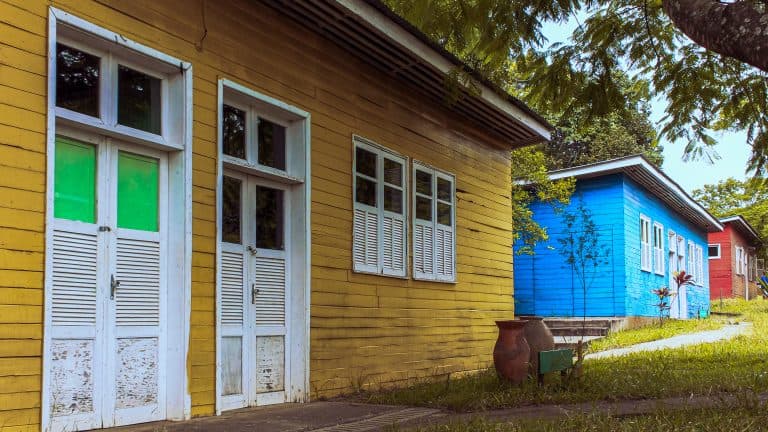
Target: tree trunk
738	30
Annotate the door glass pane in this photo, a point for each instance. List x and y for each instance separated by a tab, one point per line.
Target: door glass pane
365	162
77	80
138	100
231	210
393	199
365	191
423	208
137	192
444	190
233	126
74	190
424	183
269	218
393	172
271	144
443	214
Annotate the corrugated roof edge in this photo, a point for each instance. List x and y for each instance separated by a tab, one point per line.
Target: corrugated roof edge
402	22
747	226
638	160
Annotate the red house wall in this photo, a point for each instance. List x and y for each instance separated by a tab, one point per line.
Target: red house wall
721	269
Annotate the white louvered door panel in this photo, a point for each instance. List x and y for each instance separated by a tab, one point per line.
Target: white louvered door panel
137	298
393	245
269	296
75	277
233	298
232	288
366	240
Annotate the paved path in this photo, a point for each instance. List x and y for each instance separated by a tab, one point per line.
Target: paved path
726	332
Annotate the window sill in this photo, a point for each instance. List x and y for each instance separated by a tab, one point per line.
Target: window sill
259	170
443	281
362	272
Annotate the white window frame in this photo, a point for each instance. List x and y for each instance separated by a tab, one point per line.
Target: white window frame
258	106
719	251
435	173
700	265
658	251
739	260
381	153
176	106
646	261
691	261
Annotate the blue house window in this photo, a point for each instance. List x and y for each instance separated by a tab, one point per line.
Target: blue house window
645	243
658	248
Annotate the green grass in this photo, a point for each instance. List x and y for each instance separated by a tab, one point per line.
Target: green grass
733	366
722	419
654	332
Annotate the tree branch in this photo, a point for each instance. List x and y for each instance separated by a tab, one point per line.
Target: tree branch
738	30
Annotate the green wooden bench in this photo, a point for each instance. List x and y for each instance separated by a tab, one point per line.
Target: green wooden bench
559	360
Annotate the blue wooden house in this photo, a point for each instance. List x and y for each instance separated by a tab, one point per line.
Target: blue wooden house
647	228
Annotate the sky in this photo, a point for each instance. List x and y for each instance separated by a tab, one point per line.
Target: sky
732	147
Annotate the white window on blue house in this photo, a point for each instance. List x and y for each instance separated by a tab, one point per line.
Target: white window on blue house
700	265
658	248
379	234
434	224
692	261
645	243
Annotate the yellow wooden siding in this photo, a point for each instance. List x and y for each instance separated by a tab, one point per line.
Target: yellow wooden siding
364	329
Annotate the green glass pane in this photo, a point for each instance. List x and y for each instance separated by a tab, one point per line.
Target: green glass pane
137	192
74	190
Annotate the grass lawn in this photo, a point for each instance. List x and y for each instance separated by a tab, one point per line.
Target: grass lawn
725	419
654	332
736	365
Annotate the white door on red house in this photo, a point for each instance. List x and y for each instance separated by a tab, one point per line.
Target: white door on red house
253	291
108	274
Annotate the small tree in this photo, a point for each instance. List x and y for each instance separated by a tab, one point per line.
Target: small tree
663	294
584	253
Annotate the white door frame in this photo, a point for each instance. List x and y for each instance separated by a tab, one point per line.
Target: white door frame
296	178
178	149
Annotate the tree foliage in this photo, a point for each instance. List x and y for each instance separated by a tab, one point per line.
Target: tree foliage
704	91
731	197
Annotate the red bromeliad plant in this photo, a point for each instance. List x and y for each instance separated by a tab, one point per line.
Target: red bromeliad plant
665	294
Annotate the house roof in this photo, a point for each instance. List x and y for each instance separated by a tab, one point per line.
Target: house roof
642	171
743	227
370	30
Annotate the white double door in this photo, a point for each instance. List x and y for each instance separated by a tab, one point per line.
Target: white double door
105	347
253	291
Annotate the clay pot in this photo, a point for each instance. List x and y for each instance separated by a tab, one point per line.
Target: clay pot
511	353
539	339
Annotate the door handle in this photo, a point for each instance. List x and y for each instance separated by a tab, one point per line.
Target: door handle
254	292
113	287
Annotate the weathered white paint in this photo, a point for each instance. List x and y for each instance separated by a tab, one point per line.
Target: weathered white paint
270	364
72	376
137	381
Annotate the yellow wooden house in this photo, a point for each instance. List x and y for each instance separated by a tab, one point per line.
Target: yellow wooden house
213	205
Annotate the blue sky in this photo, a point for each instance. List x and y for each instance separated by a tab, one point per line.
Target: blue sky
731	147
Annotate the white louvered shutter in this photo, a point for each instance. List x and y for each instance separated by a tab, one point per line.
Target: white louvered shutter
444	253
393	245
138	271
423	250
74	276
365	240
269	279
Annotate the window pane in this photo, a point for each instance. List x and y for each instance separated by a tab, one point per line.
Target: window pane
444	190
231	211
269	218
713	251
365	191
393	200
77	80
137	192
393	172
233	131
74	195
138	100
271	144
365	162
423	208
424	183
443	214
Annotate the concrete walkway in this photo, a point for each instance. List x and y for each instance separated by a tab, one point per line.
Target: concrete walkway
726	332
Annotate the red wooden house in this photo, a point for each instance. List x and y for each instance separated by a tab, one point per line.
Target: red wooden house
732	260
